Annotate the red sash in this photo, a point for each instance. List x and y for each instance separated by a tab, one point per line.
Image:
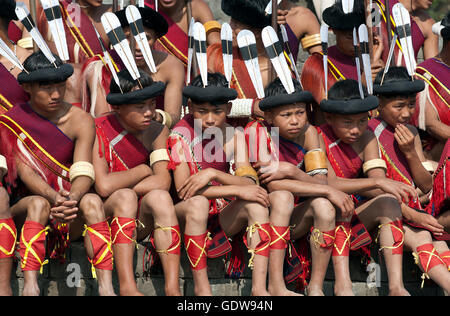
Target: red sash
11	93
123	151
175	41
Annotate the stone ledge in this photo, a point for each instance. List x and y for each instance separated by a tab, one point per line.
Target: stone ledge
55	278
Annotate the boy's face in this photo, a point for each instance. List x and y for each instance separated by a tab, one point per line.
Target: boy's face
151	37
137	117
291	119
344	41
46	97
348	128
397	110
211	115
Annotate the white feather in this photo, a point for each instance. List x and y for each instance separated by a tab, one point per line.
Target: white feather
437	28
402	20
245	38
347	6
291	57
132	13
110	23
364	38
391	53
269	38
226	35
57	28
268	9
23	14
190	50
6	52
324	39
141	4
358	66
200	37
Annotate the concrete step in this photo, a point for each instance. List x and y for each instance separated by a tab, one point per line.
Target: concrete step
74	278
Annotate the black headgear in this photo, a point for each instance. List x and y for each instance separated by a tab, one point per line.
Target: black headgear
396	82
7	11
39	69
248	12
150	18
335	17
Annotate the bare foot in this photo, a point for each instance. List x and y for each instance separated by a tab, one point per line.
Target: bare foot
130	292
314	291
30	289
282	292
399	292
6	291
344	290
260	293
109	291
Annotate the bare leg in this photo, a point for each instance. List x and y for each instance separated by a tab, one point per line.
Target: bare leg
159	205
415	238
91	207
383	210
5	263
123	203
281	208
37	209
193	215
236	216
341	266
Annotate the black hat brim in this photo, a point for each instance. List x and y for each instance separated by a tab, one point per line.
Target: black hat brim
348	107
248	12
136	96
58	74
150	18
403	87
210	94
271	102
8	10
338	20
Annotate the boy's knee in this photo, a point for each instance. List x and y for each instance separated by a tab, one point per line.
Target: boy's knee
91	207
125	203
323	210
157	200
38	209
197	209
388	205
283	200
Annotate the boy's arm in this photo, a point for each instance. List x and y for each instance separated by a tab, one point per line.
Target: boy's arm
106	183
173	97
434	125
408	140
160	179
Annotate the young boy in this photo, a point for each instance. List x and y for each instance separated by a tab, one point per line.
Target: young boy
352	152
298	148
58	176
401	149
216	204
130	161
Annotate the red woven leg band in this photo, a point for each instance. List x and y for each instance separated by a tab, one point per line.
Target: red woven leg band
428	257
196	250
100	237
279	236
263	247
328	237
8	238
342	239
32	246
445	256
175	246
398	235
122	230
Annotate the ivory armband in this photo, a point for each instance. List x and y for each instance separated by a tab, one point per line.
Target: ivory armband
26	42
81	168
374	163
248	172
310	41
212	26
316	162
428	166
167	119
159	155
3	165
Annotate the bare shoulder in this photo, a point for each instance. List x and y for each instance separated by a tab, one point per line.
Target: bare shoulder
301	20
81	118
201	11
367	138
425	21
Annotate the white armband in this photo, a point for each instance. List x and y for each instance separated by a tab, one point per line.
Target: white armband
428	165
81	168
159	155
241	108
3	165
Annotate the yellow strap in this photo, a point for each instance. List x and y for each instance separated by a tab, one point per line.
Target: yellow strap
340	251
29	249
121	230
252	229
417	261
13	233
108	244
179	238
202	249
315	235
390	247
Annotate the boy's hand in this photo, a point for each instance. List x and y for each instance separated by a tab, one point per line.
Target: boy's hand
341	200
281	16
285	170
64	209
401	191
405	139
195	182
429	222
254	193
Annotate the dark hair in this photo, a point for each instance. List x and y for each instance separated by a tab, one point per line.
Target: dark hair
248	12
214	79
127	83
394	74
7	12
38	61
276	88
345	90
446	24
